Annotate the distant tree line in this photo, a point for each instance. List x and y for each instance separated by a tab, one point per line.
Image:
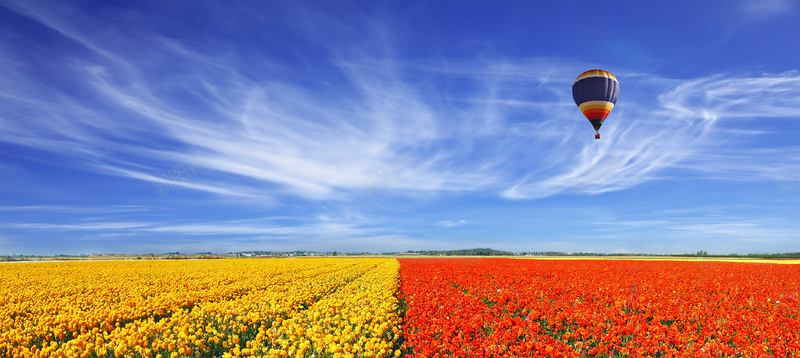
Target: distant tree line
787	255
467	252
463	252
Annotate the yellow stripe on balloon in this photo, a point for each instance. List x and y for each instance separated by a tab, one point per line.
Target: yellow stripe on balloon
595	73
596	105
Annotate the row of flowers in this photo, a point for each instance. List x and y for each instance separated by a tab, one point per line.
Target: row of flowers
595	308
350	308
204	308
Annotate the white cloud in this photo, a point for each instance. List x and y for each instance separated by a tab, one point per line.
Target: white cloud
766	8
342	234
76	208
82	226
509	126
451	223
687	129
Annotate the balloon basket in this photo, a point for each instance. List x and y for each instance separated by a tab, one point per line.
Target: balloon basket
596	136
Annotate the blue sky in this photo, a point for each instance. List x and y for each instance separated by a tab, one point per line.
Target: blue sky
151	127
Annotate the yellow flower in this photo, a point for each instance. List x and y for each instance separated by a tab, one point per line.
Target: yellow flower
188	307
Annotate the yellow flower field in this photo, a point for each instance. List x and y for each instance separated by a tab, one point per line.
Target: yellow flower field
201	308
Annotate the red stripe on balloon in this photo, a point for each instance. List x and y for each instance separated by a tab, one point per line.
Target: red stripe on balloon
596	113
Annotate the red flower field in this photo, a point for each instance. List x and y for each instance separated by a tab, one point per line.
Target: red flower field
599	308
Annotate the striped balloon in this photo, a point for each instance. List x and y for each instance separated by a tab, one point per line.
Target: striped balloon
595	92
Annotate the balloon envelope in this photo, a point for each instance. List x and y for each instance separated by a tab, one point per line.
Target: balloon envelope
595	92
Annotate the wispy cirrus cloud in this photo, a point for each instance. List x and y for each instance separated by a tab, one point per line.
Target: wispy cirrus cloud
724	229
491	125
292	106
688	124
276	233
451	223
75	208
80	227
766	8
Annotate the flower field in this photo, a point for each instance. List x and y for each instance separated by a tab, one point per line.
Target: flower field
382	307
200	308
598	308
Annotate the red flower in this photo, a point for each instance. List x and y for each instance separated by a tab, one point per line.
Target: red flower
499	307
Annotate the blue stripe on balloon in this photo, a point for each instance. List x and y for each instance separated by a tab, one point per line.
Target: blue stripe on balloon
595	89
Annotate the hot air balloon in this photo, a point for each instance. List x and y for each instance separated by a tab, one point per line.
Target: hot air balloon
595	92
